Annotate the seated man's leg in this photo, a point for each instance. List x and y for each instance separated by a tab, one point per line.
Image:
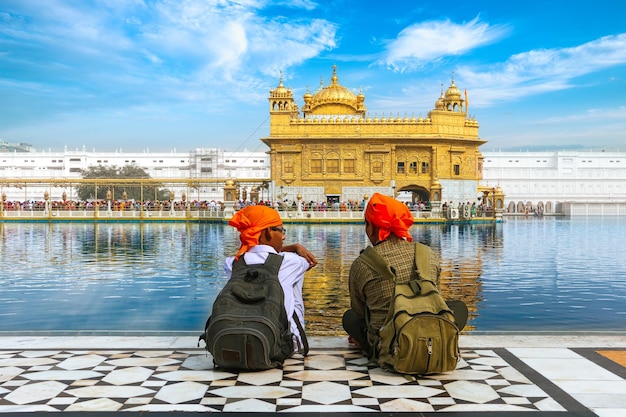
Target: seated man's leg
355	327
460	312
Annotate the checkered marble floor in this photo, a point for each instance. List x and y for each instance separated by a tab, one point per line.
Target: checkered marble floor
332	379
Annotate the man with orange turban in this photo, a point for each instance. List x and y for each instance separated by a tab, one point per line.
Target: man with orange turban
387	223
261	232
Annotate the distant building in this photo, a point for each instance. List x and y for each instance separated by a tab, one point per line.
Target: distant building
570	182
211	164
14	147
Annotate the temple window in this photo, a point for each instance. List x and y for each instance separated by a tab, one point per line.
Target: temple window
400	167
457	169
413	168
348	166
377	167
332	166
288	167
424	167
316	166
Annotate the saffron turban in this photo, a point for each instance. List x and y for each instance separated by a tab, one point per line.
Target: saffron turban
390	216
250	222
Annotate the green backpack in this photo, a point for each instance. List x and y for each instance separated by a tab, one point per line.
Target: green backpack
419	336
248	327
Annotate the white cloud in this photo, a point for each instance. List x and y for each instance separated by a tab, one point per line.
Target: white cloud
426	42
170	49
304	40
591	115
540	71
295	4
235	42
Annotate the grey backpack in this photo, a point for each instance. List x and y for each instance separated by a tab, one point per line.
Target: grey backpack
248	327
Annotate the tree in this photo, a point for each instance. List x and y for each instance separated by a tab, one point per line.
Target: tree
111	173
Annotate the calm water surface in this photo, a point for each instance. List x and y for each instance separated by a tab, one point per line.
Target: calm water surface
537	274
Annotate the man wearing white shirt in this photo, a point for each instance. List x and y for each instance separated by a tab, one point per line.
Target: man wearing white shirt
261	233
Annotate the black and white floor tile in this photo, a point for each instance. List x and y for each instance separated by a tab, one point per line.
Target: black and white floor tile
497	381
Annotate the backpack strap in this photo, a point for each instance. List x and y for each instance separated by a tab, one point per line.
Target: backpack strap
238	264
273	260
423	255
375	261
423	258
276	261
304	348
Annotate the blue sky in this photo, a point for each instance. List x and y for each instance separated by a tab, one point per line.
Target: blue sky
160	75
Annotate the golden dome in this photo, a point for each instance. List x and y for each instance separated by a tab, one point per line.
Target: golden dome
453	91
334	94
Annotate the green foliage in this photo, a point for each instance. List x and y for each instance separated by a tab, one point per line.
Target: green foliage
109	173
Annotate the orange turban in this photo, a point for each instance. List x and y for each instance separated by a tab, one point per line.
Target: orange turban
390	216
250	222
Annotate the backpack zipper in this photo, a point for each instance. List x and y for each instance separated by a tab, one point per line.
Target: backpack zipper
430	353
264	320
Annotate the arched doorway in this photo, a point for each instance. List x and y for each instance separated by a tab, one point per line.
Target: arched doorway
511	208
415	193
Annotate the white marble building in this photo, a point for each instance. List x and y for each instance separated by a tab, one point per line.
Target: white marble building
205	163
570	182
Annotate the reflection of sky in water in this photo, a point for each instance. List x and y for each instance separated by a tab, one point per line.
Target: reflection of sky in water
525	274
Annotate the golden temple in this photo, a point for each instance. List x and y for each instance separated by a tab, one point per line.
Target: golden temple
333	150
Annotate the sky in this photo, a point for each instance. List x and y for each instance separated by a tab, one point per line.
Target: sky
176	75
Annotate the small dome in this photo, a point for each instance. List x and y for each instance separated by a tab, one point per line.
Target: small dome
439	104
453	91
281	90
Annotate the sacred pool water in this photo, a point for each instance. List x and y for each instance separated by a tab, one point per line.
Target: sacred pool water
535	275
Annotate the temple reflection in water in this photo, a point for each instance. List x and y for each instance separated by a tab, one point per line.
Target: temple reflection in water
461	248
161	277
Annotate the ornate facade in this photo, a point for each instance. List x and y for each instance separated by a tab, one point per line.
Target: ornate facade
334	150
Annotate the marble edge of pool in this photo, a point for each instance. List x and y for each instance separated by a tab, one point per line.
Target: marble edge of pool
189	342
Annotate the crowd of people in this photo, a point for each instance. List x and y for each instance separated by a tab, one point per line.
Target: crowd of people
204	205
114	205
